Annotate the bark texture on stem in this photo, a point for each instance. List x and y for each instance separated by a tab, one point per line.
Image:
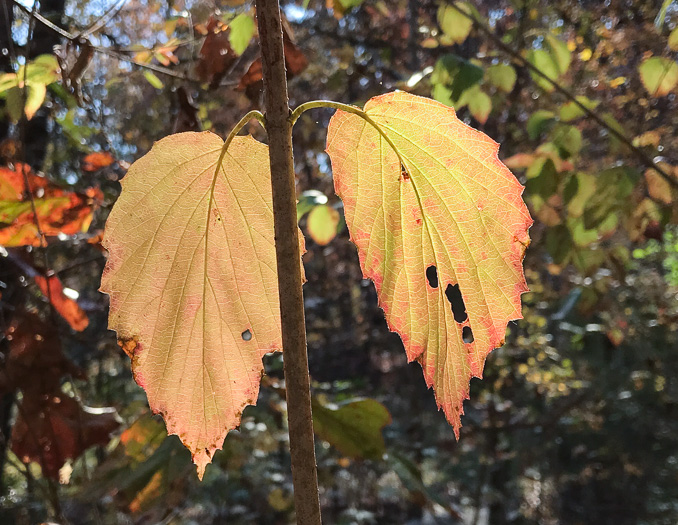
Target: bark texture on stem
279	130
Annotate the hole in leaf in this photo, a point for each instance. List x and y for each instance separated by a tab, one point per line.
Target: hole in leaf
467	334
246	335
453	295
432	276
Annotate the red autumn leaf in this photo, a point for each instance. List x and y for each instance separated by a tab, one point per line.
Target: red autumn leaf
216	55
295	62
58	211
441	229
35	362
54	428
65	306
97	160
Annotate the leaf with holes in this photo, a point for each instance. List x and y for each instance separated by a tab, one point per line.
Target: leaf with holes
442	235
192	281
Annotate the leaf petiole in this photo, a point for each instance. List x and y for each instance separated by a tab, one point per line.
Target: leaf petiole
313	104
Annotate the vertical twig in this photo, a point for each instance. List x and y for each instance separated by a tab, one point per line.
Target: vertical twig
279	129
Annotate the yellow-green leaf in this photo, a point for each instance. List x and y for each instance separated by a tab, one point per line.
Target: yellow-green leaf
192	280
559	52
322	224
242	30
442	236
545	63
673	40
354	428
153	80
44	69
502	76
480	105
659	75
25	100
455	24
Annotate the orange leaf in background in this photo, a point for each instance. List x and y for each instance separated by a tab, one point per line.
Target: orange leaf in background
58	211
658	187
52	429
442	236
192	279
65	306
96	161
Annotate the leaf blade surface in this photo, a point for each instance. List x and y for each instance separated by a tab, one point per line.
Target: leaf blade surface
453	216
193	281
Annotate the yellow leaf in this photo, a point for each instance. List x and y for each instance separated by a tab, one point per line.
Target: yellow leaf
442	236
192	281
322	224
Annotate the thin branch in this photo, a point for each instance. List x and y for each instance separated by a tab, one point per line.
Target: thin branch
516	56
121	56
288	262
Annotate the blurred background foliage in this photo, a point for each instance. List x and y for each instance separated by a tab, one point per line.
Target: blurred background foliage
576	419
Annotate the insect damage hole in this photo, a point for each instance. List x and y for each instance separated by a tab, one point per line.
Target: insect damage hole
246	335
432	276
467	334
453	295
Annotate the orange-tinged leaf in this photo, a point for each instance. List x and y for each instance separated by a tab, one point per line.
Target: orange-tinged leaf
64	305
448	225
192	281
57	211
97	160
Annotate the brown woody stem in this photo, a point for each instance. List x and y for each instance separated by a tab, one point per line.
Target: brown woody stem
279	129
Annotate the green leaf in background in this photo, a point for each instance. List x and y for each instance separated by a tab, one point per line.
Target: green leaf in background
545	63
454	24
502	76
559	52
322	224
44	69
308	200
567	139
354	428
613	188
153	80
659	75
539	122
456	74
559	243
25	100
571	111
479	104
673	40
242	30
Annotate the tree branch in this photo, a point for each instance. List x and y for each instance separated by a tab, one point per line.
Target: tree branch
297	380
517	57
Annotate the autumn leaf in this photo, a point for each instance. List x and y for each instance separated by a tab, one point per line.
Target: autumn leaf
66	307
57	211
442	236
295	62
216	54
97	160
35	362
192	281
53	429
